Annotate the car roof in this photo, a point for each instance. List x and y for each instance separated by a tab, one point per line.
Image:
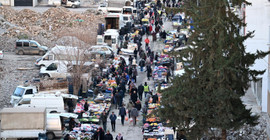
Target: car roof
24	40
98	46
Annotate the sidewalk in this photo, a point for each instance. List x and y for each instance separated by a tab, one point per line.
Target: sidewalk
250	101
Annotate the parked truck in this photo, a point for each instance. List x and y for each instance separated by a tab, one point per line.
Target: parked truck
114	21
22	122
65	3
27	91
28	122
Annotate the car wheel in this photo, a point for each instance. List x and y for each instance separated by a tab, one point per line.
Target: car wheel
73	6
20	53
46	76
41	53
50	136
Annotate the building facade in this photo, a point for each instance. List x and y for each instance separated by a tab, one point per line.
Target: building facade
258	20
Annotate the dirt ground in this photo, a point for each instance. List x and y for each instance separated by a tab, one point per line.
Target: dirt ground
12	77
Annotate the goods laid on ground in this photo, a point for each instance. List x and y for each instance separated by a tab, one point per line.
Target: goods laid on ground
85	131
159	73
153	128
164	60
129	50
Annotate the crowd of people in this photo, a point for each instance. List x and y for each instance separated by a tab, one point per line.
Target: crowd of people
126	74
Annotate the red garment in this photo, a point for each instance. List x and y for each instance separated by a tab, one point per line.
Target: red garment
150	28
147	41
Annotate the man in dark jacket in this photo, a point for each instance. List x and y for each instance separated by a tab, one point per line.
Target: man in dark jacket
133	97
122	113
99	134
104	120
149	72
142	64
155	98
113	119
140	91
108	136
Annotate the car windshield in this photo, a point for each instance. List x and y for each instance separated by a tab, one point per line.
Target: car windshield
36	43
127	10
18	92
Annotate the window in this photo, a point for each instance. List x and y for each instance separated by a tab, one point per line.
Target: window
29	91
113	41
18	92
24	101
53	66
18	44
26	44
48	57
125	18
107	37
34	45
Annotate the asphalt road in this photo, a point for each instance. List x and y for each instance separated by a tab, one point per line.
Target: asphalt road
45	8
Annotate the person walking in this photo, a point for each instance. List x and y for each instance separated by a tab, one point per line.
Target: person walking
149	72
134	74
145	89
108	136
134	97
140	91
99	134
104	120
135	52
119	137
142	64
129	107
113	119
118	99
134	114
138	105
122	113
154	36
147	41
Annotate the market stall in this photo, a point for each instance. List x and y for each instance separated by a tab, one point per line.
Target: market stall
129	50
159	73
153	128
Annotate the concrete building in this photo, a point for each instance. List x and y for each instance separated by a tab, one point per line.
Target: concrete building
258	20
19	2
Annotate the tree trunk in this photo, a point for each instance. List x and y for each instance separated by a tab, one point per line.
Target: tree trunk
223	134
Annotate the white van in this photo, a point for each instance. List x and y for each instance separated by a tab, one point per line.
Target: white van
111	38
61	69
52	102
59	53
127	18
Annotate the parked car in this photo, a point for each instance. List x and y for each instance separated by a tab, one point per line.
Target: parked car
1	54
102	50
103	7
29	47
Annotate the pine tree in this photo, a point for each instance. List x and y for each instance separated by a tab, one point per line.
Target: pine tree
217	75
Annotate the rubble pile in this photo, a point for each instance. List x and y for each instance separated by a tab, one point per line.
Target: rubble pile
247	132
52	24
